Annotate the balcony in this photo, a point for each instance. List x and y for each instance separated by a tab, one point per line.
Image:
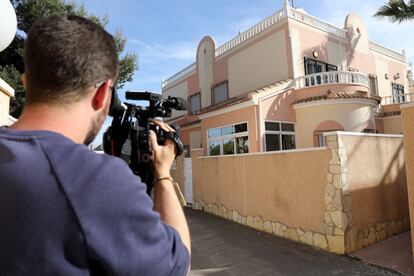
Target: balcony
331	77
398	99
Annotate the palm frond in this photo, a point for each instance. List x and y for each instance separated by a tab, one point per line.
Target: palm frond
396	11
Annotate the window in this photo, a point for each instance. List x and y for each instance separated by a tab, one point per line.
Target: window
232	139
398	93
279	136
373	85
313	67
195	103
219	93
320	140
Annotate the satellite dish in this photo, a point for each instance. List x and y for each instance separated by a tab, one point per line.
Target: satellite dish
8	24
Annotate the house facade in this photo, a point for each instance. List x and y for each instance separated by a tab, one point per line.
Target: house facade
284	82
6	92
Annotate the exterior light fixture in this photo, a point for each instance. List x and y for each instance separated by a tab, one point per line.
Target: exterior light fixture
397	76
8	23
387	76
315	54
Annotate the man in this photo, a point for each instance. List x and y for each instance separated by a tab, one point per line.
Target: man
65	210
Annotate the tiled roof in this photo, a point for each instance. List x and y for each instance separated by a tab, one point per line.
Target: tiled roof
191	123
393	113
330	95
242	98
271	86
226	103
183	120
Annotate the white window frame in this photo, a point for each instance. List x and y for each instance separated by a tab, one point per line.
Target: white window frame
192	111
398	97
221	138
279	133
321	142
373	78
213	92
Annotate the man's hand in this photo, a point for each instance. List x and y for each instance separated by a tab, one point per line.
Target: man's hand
163	155
165	199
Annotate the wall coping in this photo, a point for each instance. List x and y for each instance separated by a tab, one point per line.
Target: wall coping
6	89
407	105
267	152
349	133
360	101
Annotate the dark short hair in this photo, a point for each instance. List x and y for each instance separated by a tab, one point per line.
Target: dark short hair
64	55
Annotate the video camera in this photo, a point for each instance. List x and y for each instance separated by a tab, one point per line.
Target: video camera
128	135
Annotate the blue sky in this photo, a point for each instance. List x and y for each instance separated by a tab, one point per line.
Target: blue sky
165	34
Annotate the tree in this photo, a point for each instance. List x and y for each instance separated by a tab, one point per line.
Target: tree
396	11
28	11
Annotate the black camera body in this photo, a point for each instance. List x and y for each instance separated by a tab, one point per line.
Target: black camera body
128	135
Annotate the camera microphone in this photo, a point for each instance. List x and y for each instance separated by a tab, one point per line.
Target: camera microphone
176	103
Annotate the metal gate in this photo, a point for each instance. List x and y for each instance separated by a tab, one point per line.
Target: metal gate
188	180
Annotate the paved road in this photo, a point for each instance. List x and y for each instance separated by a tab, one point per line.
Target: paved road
222	247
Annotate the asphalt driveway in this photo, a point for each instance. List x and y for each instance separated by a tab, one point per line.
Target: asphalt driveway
222	247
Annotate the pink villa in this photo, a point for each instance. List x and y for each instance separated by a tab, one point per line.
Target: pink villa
284	82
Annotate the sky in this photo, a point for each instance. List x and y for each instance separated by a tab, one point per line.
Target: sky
165	34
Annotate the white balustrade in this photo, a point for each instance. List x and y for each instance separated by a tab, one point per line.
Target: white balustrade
386	51
331	77
258	28
398	99
316	22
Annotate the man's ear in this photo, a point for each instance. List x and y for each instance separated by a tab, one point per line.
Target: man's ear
24	81
102	95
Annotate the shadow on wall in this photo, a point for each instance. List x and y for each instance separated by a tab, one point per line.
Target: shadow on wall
377	189
280	107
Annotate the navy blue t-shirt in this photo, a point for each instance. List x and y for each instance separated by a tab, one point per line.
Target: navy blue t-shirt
65	210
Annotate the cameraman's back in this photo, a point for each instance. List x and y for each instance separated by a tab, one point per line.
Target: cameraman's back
64	209
39	233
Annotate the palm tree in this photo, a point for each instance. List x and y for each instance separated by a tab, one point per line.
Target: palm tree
396	11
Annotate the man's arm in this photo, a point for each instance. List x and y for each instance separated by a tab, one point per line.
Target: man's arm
165	199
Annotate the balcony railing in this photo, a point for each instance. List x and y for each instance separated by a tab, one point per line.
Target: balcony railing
331	77
275	18
398	99
316	22
258	28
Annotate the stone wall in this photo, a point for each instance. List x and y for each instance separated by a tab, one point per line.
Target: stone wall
304	196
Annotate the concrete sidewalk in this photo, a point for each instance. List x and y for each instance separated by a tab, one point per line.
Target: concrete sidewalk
222	247
394	253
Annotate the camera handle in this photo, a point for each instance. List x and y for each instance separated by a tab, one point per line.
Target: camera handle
174	136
